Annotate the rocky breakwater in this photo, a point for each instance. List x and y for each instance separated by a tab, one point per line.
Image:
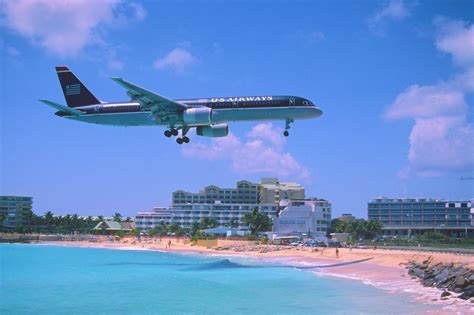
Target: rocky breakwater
455	280
253	248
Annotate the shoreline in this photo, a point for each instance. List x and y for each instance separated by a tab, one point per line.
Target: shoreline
385	270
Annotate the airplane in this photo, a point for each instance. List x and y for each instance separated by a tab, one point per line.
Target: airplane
210	116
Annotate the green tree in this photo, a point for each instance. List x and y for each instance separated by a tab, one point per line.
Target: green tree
176	229
257	222
374	228
208	223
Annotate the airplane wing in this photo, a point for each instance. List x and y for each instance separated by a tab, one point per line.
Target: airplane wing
159	105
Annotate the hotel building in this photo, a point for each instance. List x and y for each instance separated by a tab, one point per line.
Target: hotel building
14	210
245	192
407	216
273	191
187	214
223	204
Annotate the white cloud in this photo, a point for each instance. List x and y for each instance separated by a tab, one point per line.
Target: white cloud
440	145
456	38
427	101
178	59
442	139
66	27
394	10
262	152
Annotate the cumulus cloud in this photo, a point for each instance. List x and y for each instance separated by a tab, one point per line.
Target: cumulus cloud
440	145
442	139
394	10
66	27
177	59
261	152
428	101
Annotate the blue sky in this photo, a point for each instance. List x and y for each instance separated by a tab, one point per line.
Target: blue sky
393	78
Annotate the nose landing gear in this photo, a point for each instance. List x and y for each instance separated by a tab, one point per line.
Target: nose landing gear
287	126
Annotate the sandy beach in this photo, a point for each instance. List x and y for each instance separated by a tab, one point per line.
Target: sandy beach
385	269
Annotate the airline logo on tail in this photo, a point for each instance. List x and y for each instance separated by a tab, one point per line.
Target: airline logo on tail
73	89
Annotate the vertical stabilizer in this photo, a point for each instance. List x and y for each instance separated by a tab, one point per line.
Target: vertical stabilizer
75	93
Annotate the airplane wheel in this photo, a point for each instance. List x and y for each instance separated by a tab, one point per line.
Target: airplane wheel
174	132
167	133
185	139
179	140
286	133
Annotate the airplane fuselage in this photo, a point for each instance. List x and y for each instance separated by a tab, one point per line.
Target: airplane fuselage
223	109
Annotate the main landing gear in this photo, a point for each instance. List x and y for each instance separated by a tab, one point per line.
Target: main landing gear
182	140
174	132
171	132
287	126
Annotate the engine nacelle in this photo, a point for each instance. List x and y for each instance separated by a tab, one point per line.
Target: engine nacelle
219	130
197	116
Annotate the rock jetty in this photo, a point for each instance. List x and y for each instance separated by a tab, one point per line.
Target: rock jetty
254	248
454	279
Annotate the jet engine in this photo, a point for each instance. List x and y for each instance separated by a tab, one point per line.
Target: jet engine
197	116
219	130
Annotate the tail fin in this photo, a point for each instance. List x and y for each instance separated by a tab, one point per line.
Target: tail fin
75	93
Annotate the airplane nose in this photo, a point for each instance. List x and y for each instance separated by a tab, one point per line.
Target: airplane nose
316	112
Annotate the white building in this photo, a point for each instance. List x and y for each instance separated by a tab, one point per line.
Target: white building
145	220
187	214
311	217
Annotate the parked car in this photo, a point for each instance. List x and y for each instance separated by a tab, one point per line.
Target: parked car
361	245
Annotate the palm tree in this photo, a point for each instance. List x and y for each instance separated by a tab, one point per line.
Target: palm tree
257	222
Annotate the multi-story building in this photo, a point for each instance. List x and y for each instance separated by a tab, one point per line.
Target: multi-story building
14	210
226	205
245	192
145	220
310	216
407	216
273	191
186	214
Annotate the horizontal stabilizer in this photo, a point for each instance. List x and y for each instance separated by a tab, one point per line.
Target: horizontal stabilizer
62	108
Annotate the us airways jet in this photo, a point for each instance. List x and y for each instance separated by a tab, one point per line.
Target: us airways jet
208	115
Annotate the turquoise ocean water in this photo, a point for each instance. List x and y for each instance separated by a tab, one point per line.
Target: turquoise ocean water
37	279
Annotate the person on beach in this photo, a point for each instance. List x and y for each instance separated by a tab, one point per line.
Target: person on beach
169	244
337	252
